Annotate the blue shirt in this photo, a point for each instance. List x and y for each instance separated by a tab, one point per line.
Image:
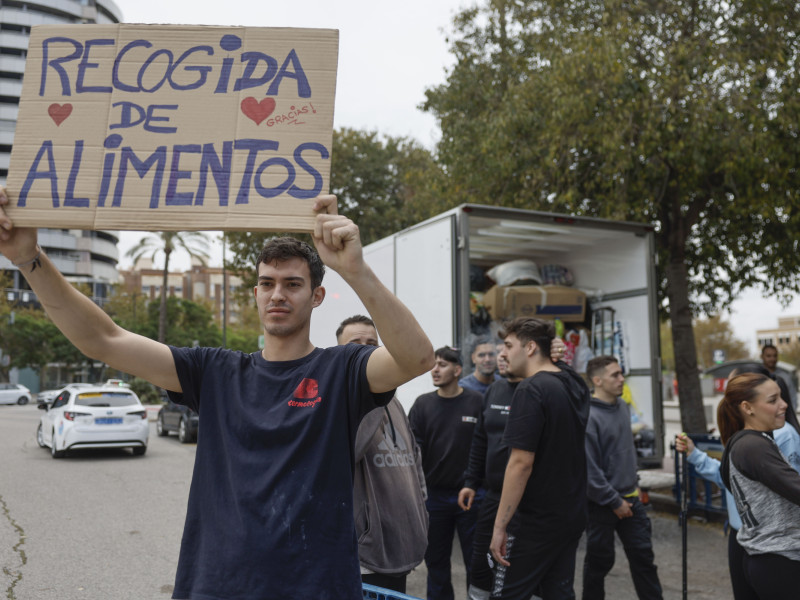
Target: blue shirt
788	441
270	512
470	382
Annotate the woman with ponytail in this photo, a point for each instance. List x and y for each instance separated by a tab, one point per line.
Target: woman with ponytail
765	487
788	440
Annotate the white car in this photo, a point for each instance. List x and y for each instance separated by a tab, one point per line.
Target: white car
93	417
49	395
14	393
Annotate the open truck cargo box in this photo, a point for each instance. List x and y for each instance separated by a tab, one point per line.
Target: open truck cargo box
428	266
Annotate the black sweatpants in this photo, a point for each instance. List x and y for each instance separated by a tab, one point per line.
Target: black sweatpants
742	590
635	534
481	574
544	565
772	576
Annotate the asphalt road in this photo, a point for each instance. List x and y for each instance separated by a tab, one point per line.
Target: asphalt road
106	525
101	525
707	565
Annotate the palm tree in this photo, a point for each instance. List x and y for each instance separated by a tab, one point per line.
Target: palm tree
194	243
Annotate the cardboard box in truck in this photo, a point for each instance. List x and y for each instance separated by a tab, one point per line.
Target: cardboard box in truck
541	301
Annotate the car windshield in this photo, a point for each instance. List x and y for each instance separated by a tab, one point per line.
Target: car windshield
111	399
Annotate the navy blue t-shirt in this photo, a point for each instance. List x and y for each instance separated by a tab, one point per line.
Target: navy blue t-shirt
270	512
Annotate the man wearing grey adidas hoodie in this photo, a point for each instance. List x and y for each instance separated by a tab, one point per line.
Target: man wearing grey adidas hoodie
388	484
613	490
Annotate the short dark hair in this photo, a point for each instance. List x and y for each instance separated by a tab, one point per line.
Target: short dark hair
598	364
279	249
449	354
768	346
351	320
480	342
528	329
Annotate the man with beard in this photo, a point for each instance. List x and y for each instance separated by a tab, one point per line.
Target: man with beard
769	357
484	357
443	422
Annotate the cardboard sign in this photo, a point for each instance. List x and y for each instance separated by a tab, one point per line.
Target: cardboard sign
152	127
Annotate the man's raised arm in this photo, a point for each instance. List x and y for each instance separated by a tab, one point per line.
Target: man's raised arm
83	322
407	351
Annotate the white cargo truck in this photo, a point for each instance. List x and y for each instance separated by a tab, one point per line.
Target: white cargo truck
428	267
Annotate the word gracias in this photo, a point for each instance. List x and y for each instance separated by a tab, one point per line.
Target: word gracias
160	67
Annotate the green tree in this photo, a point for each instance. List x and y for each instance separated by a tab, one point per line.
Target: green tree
26	338
129	310
194	243
5	318
680	113
715	333
667	352
32	340
191	322
712	333
383	183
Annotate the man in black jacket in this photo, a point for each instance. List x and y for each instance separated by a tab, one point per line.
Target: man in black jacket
488	456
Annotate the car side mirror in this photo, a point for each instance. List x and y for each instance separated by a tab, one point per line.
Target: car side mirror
42	406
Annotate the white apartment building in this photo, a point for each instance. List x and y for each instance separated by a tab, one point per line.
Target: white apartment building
88	257
785	334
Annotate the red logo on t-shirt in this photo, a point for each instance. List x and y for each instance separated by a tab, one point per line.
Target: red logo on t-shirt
307	390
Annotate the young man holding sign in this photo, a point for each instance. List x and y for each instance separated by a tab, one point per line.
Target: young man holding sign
270	508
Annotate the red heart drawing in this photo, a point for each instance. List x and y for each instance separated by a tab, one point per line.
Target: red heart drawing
59	112
258	111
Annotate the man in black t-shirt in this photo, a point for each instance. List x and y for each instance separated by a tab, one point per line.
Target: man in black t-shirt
545	479
443	422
